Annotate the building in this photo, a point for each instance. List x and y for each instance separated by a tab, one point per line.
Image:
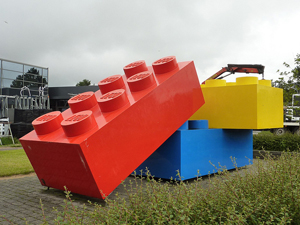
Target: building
15	75
25	95
59	96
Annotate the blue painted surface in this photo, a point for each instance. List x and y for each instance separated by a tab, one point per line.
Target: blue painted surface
191	150
184	126
198	124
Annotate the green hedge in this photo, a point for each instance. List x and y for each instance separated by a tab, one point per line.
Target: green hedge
271	142
8	142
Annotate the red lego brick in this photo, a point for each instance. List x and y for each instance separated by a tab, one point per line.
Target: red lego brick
104	136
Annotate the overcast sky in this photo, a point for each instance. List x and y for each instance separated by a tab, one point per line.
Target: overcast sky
92	40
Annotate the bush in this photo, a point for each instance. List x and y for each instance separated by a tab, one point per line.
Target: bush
269	141
8	141
267	195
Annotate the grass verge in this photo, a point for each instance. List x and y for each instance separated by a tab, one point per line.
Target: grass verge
14	162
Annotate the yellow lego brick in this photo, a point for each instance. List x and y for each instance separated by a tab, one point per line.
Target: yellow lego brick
246	104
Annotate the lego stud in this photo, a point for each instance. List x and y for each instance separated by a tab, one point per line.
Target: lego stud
113	100
111	83
134	68
215	83
79	123
83	101
246	80
165	65
230	83
265	83
47	123
198	124
141	81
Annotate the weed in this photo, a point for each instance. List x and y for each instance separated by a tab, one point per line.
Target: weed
266	194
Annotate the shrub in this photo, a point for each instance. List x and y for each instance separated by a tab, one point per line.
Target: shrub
8	141
265	141
266	194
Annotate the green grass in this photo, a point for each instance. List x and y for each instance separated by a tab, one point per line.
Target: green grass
14	162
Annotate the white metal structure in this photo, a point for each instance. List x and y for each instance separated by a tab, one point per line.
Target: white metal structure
5	130
291	117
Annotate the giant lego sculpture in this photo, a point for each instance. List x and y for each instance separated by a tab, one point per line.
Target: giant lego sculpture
151	117
231	110
248	103
194	150
95	144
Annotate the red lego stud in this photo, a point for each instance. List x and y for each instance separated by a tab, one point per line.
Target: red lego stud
79	123
113	100
47	123
84	101
165	65
134	68
111	83
141	81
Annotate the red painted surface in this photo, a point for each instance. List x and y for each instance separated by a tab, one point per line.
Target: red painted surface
104	136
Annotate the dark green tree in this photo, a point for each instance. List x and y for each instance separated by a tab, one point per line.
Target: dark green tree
290	80
32	79
84	82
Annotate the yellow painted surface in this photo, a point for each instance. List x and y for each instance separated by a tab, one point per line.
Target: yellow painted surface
245	105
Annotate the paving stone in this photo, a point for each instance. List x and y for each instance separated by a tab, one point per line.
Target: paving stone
20	198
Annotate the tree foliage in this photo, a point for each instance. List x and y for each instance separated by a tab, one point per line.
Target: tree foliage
84	82
290	80
32	79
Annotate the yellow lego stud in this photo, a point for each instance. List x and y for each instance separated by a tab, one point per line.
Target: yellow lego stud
215	83
248	103
265	82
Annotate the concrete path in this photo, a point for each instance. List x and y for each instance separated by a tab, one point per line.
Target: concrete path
3	148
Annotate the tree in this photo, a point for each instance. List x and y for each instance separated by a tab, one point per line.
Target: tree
84	82
32	79
292	84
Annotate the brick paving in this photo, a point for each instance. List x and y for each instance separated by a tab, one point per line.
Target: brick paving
20	198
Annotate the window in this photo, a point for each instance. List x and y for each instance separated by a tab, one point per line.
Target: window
12	66
11	74
45	72
6	83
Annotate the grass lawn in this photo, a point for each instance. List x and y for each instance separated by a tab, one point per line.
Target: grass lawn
14	162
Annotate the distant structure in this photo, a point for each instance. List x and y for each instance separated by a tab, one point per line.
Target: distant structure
23	94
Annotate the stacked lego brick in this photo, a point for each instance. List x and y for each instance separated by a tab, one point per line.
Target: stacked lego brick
95	144
231	110
248	103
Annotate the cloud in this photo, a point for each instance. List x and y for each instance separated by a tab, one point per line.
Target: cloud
94	39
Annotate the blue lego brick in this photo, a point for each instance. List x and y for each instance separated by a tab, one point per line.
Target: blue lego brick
190	150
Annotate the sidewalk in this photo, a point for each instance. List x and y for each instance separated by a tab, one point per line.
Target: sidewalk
4	148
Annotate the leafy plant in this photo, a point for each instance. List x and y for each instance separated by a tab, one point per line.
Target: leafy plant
265	141
8	142
290	85
266	194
